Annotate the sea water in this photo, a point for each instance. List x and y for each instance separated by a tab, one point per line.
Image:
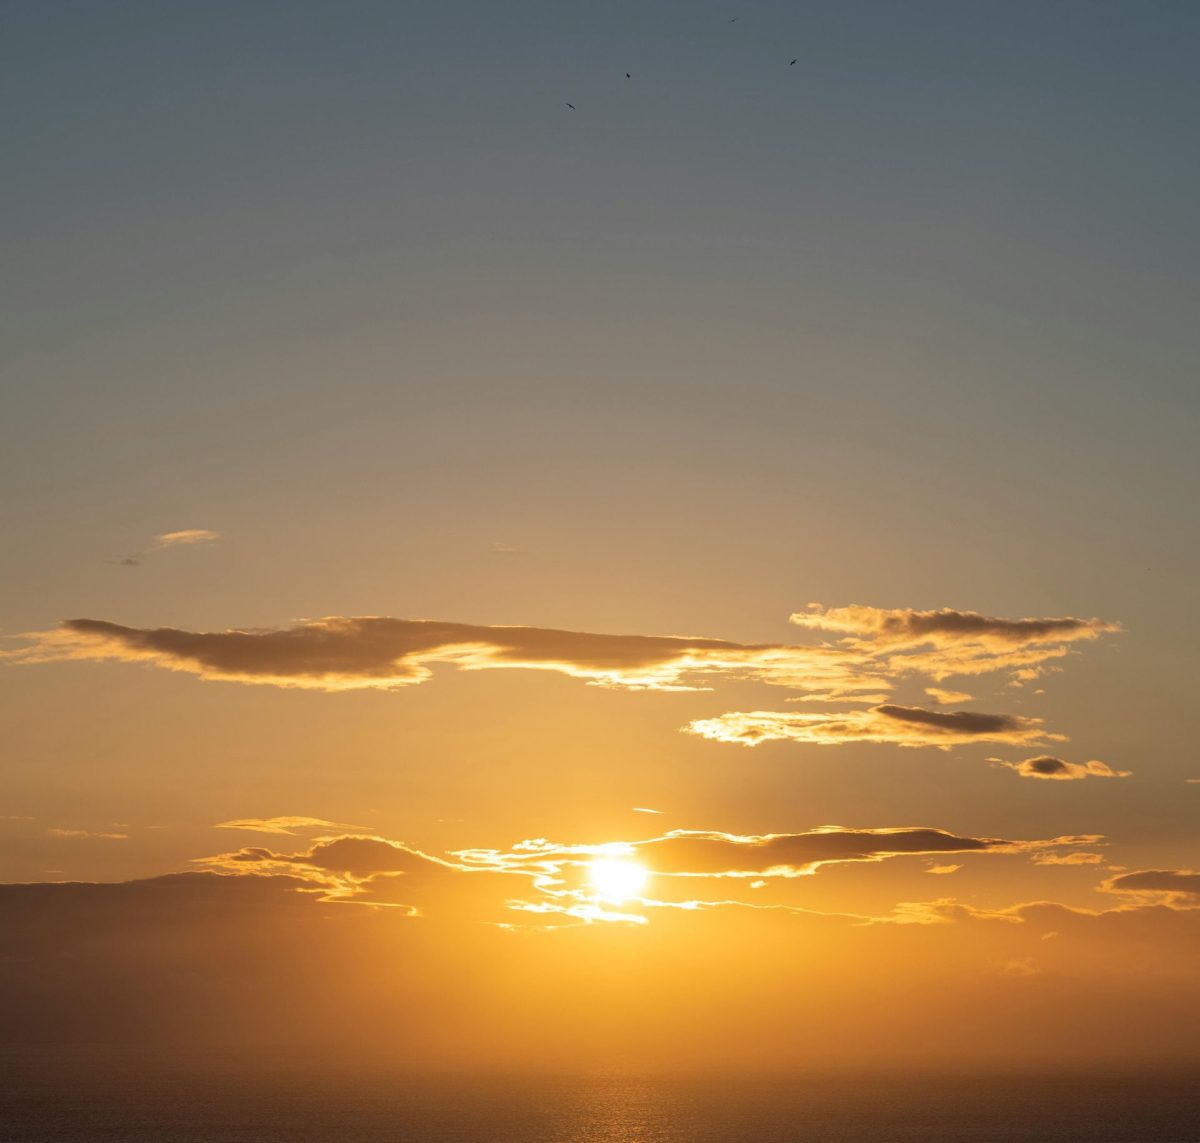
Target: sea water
341	1105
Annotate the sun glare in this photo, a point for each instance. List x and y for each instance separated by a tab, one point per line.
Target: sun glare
617	880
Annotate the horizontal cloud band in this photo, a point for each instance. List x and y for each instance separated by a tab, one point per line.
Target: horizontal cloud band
876	648
898	725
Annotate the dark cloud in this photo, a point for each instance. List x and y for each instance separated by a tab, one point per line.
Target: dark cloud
696	852
1173	881
959	722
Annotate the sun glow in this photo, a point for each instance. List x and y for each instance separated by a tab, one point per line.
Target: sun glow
616	879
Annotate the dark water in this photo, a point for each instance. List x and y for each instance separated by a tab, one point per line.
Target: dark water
174	1106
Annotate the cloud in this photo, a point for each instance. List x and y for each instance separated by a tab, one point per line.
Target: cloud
283	826
86	833
898	725
947	698
907	627
538	877
1181	885
376	872
1048	767
645	810
943	869
184	537
338	653
220	965
1077	858
1020	966
355	854
946	642
878	648
714	853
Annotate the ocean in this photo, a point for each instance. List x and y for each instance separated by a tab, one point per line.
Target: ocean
344	1105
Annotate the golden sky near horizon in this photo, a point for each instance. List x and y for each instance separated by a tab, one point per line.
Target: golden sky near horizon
419	494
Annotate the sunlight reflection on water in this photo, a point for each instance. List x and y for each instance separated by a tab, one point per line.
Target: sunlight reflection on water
373	1108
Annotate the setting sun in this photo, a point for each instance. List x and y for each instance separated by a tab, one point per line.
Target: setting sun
616	879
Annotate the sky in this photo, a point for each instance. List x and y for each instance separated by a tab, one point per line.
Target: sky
533	532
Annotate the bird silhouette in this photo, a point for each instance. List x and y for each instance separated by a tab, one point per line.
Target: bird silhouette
571	106
793	61
628	76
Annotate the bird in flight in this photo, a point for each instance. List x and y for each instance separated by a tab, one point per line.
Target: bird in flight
793	61
571	106
628	76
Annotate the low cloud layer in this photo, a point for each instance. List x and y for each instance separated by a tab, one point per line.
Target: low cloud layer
554	881
265	963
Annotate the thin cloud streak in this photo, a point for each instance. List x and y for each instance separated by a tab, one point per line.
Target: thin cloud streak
911	727
285	826
184	538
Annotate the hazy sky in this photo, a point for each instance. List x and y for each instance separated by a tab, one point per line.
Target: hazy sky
318	312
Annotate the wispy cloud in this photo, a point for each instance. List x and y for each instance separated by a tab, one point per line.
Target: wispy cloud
284	826
185	537
1076	858
86	833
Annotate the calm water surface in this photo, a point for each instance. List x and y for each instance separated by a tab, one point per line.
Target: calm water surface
181	1106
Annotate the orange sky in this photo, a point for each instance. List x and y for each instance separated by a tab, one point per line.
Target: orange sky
703	577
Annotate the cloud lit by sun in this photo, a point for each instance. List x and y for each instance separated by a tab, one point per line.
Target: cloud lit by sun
617	879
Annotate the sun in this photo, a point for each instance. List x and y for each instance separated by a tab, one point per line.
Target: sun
616	879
